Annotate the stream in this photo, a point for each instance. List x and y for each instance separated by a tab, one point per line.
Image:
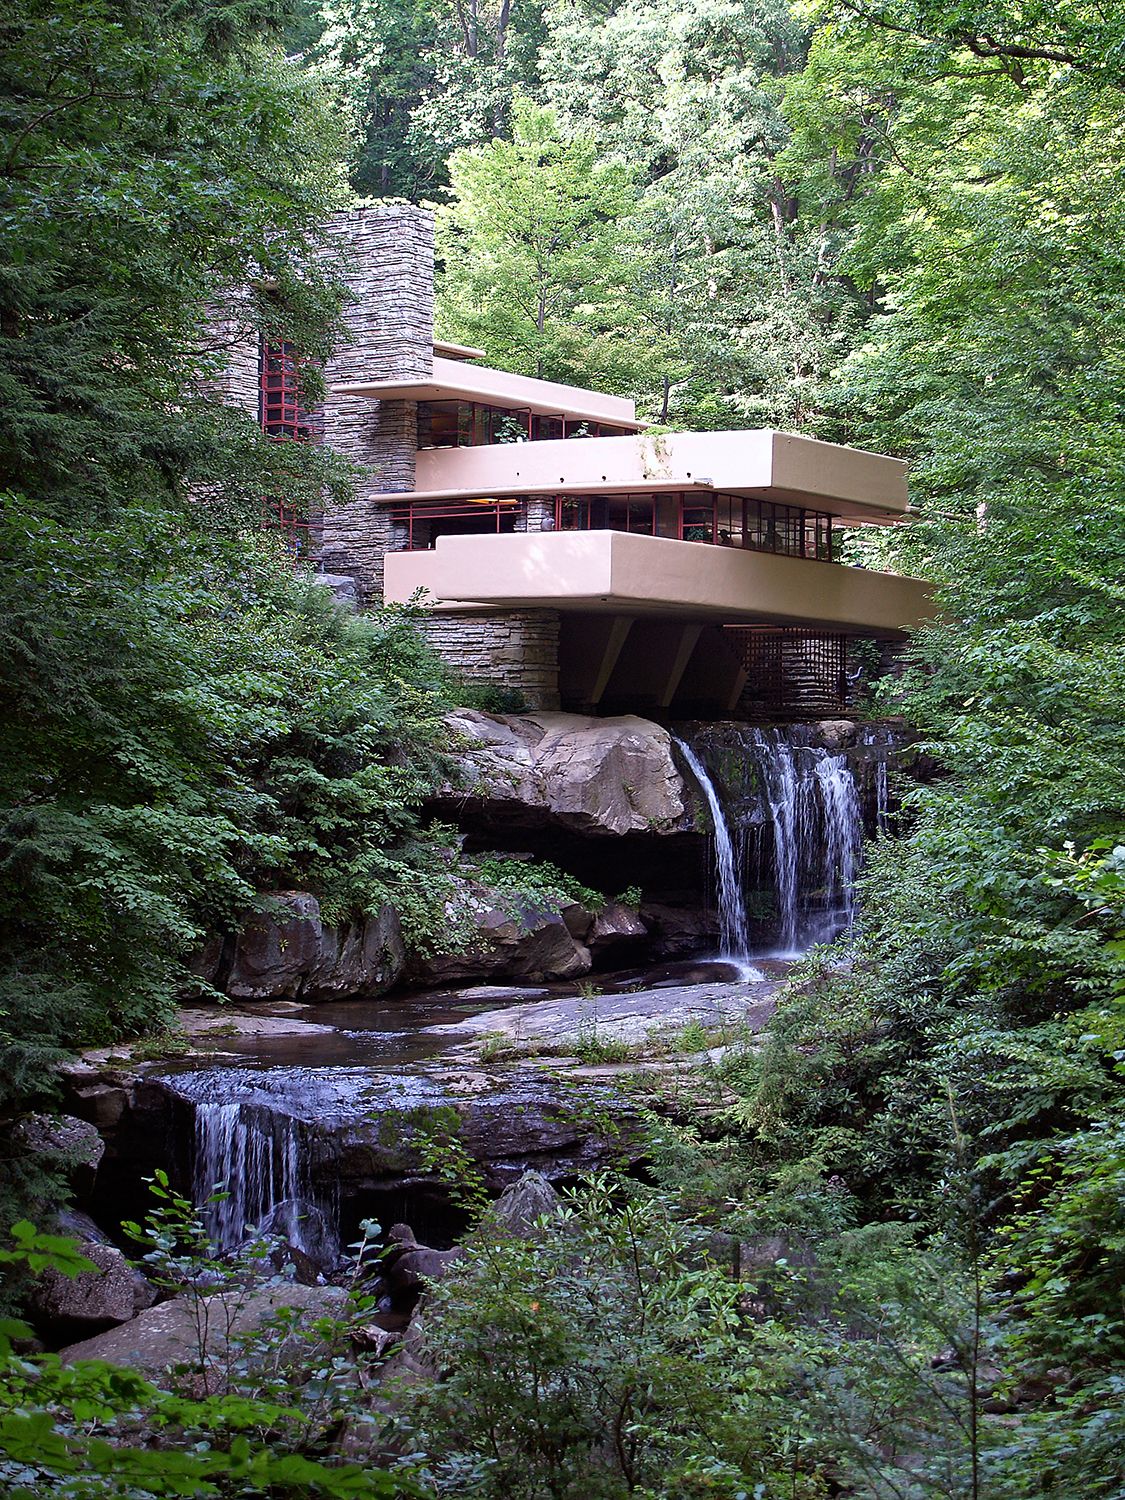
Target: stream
314	1117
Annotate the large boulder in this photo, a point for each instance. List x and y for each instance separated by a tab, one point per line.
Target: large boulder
113	1292
590	776
289	953
523	1203
79	1226
615	924
64	1144
99	1089
509	936
679	930
836	734
409	1266
194	1331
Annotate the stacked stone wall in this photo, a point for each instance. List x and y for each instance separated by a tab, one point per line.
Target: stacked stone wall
516	649
532	512
385	256
238	381
388	258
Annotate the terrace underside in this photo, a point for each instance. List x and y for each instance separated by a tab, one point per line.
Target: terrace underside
669	627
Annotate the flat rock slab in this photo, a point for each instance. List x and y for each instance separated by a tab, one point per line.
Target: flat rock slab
500	992
625	1017
218	1023
169	1334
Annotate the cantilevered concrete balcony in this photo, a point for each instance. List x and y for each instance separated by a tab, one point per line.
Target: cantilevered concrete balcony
779	466
461	380
630	574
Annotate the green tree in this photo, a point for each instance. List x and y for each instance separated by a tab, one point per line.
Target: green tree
184	722
377	52
531	246
426	78
736	322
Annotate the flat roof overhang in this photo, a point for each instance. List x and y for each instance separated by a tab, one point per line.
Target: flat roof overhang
761	463
627	573
458	380
457	351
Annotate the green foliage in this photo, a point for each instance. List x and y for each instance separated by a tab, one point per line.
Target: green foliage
424	78
93	1430
436	1136
489	697
574	1357
159	163
530	247
184	723
535	881
41	1252
187	724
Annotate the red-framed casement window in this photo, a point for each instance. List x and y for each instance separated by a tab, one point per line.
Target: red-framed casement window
284	418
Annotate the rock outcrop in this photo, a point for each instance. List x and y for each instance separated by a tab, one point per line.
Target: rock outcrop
615	925
65	1144
510	936
523	1203
113	1292
289	952
194	1332
408	1266
595	777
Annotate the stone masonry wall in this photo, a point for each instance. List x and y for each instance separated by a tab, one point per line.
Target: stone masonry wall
531	515
517	649
388	252
386	255
238	382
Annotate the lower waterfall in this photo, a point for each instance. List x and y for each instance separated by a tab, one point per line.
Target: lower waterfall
804	806
816	815
734	928
249	1161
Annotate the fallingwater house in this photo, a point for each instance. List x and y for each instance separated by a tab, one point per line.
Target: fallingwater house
563	550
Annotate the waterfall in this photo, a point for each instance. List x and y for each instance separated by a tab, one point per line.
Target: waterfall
843	844
782	788
253	1156
734	929
816	817
881	739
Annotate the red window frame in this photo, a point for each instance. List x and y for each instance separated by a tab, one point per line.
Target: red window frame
284	418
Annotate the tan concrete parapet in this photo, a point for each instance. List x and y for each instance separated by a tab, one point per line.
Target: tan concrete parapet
461	380
779	466
629	573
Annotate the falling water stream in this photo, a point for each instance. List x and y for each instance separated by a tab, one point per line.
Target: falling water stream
248	1171
734	928
882	738
817	822
812	806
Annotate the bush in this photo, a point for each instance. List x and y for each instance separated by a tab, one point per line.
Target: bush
184	724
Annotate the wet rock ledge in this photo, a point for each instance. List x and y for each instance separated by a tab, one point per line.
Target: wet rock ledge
603	799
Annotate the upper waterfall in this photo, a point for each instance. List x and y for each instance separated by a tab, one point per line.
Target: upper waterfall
734	928
790	810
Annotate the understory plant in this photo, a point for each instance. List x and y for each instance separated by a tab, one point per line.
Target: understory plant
255	1412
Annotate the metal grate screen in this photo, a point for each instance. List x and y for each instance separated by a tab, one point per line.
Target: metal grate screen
791	670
